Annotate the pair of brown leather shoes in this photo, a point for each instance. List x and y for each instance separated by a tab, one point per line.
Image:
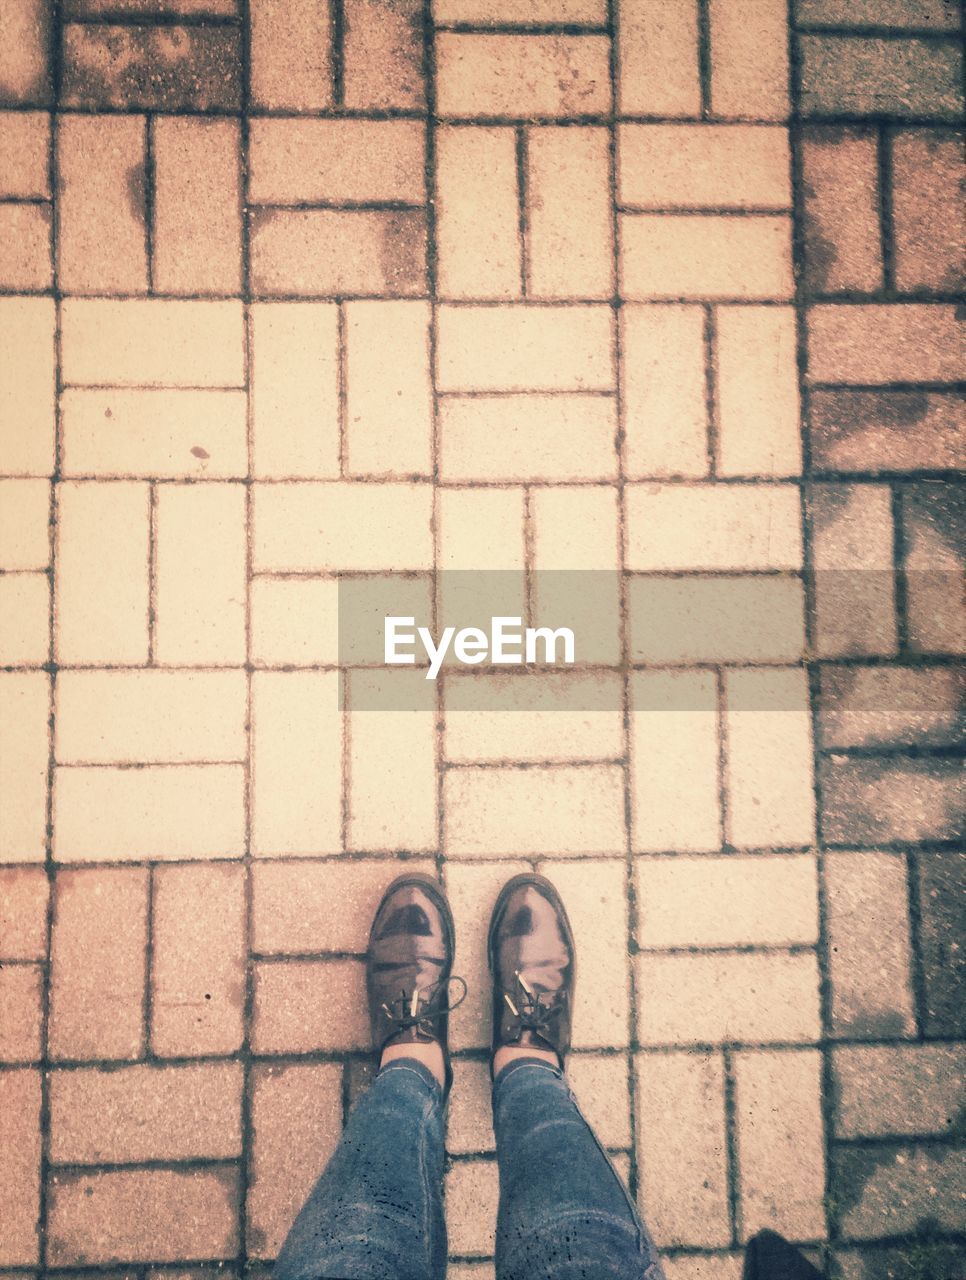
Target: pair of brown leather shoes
409	967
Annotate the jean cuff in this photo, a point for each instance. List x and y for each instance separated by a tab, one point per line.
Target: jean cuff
418	1068
517	1063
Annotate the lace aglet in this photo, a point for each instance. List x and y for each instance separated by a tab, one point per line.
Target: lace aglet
513	1009
524	984
414	1003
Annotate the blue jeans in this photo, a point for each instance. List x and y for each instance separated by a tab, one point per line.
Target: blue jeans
376	1213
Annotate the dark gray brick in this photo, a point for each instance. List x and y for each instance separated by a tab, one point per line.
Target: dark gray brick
933	515
879	706
887	431
936	15
858	76
894	1189
942	915
869	801
921	1260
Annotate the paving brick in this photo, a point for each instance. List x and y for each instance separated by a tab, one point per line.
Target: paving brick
295	389
23	913
328	252
294	621
389	406
601	1082
873	344
749	59
155	812
297	754
471	1191
305	1005
594	892
27	386
524	348
522	76
21	1014
781	1156
852	540
665	392
159	342
206	8
562	810
869	960
25	704
291	54
294	161
477	229
24	68
890	1189
843	250
169	68
383	50
879	706
143	1215
696	256
197	206
674	761
100	929
682	1148
198	960
713	527
895	1090
658	50
860	76
471	1271
570	252
934	532
200	590
140	1113
707	998
704	1266
24	527
469	1127
741	166
887	430
24	619
727	902
940	898
167	434
303	1099
111	717
908	801
928	219
917	14
20	1149
757	392
25	262
484	13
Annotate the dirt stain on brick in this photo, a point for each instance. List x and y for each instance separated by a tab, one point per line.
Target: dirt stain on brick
402	253
136	192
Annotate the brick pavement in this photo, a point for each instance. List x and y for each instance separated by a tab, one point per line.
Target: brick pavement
665	291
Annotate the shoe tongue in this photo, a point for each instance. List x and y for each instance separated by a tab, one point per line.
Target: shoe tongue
410	919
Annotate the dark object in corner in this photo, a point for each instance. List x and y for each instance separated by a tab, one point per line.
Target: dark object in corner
770	1257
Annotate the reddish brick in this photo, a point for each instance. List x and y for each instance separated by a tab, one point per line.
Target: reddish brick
291	54
842	236
855	76
24	52
522	76
20	1157
304	1005
887	430
24	155
383	55
24	752
98	963
749	58
933	517
917	14
91	8
25	262
908	801
942	893
929	219
21	1015
198	971
23	913
870	344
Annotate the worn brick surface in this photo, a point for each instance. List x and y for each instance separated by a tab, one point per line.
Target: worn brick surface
659	58
24	160
888	1189
23	913
910	801
21	1013
928	215
477	212
917	14
27	386
757	392
749	69
304	1005
24	62
885	1090
665	393
291	54
24	752
383	55
25	249
471	1190
871	345
890	706
887	430
20	1139
863	76
842	236
933	519
569	221
522	76
663	165
940	899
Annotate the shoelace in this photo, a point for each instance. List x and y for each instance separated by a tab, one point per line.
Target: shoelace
530	1011
424	1005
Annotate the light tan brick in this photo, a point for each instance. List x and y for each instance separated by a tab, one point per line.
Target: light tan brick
23	913
665	391
481	529
138	1113
144	1215
24	524
383	54
24	751
594	894
389	405
875	343
152	342
522	76
570	251
112	717
704	1266
295	621
24	158
159	433
525	348
682	255
21	1019
25	242
768	753
708	998
757	391
888	1090
469	1126
291	52
198	962
713	527
658	46
781	1155
297	761
101	243
601	1083
472	1194
302	1098
295	161
743	166
343	526
197	206
100	929
200	593
27	386
674	761
478	227
307	1005
727	902
560	810
295	389
682	1148
749	58
20	1143
485	13
156	812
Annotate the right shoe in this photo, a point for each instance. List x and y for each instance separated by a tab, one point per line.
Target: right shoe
532	961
